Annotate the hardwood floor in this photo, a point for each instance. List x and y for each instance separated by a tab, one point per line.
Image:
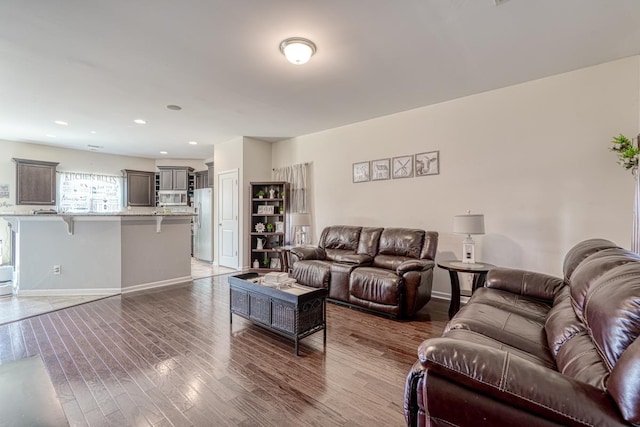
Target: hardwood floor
171	357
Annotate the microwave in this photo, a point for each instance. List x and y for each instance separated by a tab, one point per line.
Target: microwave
172	198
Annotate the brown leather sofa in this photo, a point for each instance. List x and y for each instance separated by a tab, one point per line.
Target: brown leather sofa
536	350
385	270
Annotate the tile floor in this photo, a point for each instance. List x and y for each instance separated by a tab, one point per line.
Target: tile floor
14	308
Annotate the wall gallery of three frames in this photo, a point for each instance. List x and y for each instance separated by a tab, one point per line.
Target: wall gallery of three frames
421	164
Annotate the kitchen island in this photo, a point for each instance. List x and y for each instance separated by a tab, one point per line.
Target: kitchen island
87	254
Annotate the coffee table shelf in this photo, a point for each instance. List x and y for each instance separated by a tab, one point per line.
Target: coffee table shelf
294	312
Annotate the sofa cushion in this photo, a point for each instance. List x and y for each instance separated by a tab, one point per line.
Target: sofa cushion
512	329
562	323
624	383
340	237
346	256
612	311
369	240
578	358
513	303
374	285
314	273
389	262
402	242
580	251
475	337
590	270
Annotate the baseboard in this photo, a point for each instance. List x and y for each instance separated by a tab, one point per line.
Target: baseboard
67	292
153	285
447	296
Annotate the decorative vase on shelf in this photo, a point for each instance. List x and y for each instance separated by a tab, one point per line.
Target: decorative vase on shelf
272	194
256	264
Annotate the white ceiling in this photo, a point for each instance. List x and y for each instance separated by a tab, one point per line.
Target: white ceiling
100	64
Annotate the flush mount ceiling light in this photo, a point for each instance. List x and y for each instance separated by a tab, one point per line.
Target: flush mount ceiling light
140	121
61	123
297	50
193	142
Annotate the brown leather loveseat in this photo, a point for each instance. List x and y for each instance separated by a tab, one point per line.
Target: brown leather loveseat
385	270
536	350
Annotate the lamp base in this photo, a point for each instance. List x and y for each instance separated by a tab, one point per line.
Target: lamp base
468	250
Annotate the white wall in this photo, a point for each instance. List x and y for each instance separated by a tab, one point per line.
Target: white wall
533	158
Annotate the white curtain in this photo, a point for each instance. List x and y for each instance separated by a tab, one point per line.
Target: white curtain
296	176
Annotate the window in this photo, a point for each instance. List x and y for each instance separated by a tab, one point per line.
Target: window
85	192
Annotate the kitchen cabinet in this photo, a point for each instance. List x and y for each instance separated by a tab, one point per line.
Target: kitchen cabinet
35	182
268	222
139	188
202	180
174	178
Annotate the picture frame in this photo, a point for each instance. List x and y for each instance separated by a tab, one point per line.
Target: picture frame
279	226
361	172
402	167
274	264
265	210
380	169
427	163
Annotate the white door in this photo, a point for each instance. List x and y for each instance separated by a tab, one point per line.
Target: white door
228	219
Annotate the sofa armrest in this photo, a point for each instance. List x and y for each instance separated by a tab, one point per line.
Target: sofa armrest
519	382
526	283
302	253
414	265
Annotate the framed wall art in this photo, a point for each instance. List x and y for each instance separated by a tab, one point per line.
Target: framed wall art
380	169
427	163
402	167
279	227
265	210
361	172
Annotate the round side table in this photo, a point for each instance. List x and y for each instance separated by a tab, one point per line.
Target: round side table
479	271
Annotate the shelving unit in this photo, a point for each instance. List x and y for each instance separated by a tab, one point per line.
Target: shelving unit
260	213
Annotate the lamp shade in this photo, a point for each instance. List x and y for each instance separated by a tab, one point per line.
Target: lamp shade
468	224
300	220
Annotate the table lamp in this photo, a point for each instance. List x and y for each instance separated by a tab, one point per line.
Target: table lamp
298	221
468	224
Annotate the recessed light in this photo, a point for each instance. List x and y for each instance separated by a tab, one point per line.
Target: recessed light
95	147
140	121
163	152
61	123
174	107
193	142
50	135
93	131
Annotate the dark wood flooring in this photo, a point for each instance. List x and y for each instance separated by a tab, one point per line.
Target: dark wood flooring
170	357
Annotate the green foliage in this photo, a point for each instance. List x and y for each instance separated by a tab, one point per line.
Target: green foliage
627	153
260	193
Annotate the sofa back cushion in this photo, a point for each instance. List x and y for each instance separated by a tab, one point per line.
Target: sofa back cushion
402	242
582	250
591	269
369	240
339	241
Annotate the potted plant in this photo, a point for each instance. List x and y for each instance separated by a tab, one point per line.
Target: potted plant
281	209
260	194
627	152
265	262
269	227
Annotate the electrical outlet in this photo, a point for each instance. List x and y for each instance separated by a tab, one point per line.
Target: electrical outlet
56	269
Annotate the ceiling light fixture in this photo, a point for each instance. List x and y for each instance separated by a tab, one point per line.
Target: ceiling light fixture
61	123
297	50
193	142
163	152
174	107
50	135
140	121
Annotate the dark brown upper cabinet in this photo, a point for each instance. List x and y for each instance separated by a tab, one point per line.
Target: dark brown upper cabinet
35	182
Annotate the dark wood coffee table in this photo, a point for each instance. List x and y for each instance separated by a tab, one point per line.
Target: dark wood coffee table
295	312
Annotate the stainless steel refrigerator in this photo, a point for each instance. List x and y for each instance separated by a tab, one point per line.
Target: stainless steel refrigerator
203	224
